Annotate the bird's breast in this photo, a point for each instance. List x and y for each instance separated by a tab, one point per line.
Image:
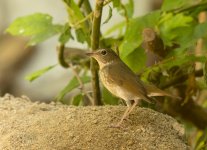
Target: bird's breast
115	86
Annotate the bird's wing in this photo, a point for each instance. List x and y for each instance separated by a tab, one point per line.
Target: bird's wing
121	75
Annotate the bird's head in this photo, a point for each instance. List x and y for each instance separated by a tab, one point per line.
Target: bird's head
104	56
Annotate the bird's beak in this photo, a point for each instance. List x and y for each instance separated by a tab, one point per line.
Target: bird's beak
90	54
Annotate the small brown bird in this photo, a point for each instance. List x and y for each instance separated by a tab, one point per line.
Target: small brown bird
121	81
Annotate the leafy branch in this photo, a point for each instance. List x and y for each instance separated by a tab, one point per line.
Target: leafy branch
82	88
95	37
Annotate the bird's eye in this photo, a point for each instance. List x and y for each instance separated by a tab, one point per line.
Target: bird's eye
103	52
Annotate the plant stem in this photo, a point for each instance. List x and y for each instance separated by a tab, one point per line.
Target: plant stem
83	20
87	7
201	5
180	79
80	2
61	59
95	45
82	88
87	10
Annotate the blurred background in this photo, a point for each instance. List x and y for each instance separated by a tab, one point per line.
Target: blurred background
17	60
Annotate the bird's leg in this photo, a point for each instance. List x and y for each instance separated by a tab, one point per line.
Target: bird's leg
123	117
129	105
127	112
133	106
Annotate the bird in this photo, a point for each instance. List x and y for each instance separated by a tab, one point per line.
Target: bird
122	82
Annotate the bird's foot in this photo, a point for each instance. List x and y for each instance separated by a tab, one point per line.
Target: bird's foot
118	125
115	125
126	118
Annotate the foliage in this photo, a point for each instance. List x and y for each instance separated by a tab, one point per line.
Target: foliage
176	23
38	27
38	73
72	84
200	140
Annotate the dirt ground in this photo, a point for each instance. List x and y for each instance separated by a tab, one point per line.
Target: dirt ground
26	125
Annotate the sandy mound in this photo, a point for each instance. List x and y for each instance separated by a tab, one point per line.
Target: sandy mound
25	125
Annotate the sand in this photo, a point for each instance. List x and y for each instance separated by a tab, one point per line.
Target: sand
27	125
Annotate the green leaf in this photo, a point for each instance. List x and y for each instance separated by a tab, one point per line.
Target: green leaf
109	16
65	35
72	84
201	84
77	99
175	61
132	38
130	8
125	10
76	16
176	4
38	27
200	30
74	12
170	21
175	27
136	60
169	4
201	142
39	73
119	26
116	3
184	38
80	35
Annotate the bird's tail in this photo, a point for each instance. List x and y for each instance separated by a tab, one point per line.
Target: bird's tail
148	99
154	91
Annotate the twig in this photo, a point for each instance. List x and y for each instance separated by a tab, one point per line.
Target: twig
80	2
95	37
81	21
64	64
189	8
107	2
125	12
82	88
86	7
180	79
61	59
